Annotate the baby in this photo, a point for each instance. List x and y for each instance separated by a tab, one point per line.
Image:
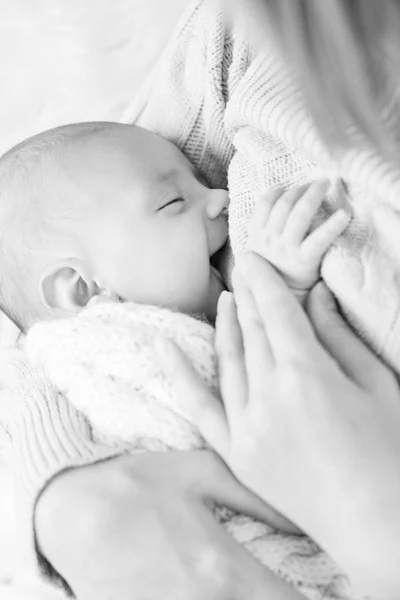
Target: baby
111	226
98	208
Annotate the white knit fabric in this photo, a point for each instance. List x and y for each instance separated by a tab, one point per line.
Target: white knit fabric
108	362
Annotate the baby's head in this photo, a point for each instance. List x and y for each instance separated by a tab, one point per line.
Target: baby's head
99	207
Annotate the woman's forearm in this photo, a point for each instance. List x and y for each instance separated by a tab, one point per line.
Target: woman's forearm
137	526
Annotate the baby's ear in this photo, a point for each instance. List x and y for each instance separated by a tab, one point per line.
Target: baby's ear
66	286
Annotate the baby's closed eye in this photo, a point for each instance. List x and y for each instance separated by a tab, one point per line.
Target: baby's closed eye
173	205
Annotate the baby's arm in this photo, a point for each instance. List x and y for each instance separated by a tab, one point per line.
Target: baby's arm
280	230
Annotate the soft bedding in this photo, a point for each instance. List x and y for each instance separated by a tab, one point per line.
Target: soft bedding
68	63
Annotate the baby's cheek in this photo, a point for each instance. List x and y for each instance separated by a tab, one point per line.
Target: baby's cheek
184	286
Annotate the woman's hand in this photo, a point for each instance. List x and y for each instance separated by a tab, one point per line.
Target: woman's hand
310	421
141	526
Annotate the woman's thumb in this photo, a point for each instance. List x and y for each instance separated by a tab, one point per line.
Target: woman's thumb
352	355
203	409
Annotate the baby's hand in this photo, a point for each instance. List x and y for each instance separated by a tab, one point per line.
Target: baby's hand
280	231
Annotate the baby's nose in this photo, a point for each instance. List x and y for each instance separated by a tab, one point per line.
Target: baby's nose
217	204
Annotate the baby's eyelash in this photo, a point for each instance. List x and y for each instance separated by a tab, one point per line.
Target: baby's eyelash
172	202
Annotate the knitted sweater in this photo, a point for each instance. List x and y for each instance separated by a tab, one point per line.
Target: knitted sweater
108	362
238	115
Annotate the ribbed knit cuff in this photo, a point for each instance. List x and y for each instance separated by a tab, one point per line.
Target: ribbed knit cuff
46	437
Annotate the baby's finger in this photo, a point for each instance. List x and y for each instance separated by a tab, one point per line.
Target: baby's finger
202	408
230	353
285	326
263	208
300	219
258	355
281	210
319	241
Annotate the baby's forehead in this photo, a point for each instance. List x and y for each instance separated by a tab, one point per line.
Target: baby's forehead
128	152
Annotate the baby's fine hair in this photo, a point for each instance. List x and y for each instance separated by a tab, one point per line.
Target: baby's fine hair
31	203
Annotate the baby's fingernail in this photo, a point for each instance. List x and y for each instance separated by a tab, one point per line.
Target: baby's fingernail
224	301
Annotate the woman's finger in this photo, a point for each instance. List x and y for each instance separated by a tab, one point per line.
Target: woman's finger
287	328
258	355
352	355
230	354
202	408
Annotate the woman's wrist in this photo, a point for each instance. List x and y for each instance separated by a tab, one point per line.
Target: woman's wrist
371	554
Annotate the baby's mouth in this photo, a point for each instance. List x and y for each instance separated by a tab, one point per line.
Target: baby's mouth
217	274
215	259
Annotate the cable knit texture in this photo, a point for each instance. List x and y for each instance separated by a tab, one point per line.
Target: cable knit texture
239	117
108	362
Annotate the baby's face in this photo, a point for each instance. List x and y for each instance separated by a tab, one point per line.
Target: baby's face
156	224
